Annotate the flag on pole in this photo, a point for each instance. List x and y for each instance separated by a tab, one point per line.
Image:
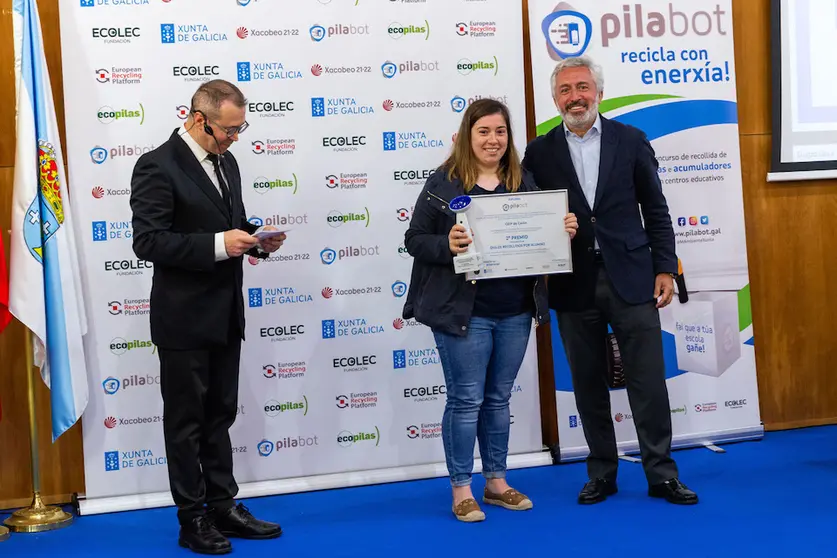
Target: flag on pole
45	290
5	316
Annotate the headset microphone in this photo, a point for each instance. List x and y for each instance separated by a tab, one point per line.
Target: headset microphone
210	132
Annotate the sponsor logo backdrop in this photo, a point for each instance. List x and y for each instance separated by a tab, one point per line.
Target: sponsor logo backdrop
670	71
351	105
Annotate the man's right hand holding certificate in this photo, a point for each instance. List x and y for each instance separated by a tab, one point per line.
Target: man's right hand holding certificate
571	224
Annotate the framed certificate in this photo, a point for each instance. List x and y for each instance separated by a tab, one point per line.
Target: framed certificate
520	234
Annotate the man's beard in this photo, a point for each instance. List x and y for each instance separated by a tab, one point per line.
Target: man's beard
582	120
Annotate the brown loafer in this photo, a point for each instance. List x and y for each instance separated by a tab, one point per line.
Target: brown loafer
511	499
468	511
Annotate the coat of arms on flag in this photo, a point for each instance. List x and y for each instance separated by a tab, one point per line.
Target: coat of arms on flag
46	212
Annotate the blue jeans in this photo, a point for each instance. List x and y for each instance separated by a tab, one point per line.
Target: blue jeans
480	370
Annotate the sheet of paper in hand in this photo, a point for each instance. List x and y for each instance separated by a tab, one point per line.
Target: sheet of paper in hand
261	234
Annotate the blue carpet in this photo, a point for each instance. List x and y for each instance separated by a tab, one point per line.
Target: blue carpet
775	497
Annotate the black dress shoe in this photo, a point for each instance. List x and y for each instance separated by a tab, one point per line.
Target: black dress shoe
596	490
673	491
239	522
201	536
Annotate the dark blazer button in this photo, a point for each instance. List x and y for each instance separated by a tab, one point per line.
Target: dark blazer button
592	219
590	249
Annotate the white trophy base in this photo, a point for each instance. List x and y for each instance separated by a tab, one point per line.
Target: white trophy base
467	262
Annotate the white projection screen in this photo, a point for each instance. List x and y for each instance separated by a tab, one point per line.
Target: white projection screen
804	44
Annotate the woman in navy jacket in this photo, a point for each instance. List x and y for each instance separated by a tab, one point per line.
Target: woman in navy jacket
481	327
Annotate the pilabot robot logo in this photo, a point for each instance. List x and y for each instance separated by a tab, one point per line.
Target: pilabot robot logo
567	32
265	448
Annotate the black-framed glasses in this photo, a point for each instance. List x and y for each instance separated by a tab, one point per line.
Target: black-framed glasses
232	130
229	130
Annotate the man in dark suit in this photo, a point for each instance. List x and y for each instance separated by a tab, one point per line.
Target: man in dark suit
623	272
189	220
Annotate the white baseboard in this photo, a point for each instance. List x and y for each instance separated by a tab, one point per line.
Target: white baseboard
112	504
694	440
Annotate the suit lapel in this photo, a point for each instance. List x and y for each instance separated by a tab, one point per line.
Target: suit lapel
610	144
193	169
564	160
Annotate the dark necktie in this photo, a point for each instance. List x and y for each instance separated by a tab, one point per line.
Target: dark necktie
225	191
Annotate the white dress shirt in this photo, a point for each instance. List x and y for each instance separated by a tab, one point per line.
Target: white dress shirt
586	153
201	155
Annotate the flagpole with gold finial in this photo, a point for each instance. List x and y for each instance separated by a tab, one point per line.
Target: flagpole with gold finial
4	533
37	517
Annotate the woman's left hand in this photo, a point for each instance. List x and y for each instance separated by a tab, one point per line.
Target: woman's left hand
571	225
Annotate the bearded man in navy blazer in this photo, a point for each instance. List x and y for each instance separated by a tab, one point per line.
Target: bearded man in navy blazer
623	273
